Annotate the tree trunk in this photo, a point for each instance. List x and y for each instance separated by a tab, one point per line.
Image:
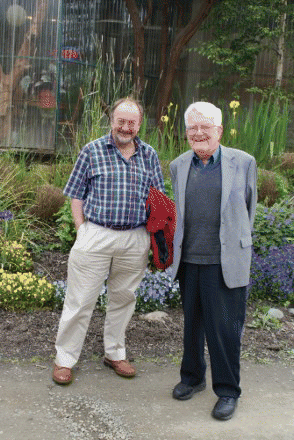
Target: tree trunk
9	82
139	47
180	41
281	47
164	42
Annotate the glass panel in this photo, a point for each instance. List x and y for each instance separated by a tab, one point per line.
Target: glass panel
28	73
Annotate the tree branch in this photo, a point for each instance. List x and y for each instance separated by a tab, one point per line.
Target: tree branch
182	38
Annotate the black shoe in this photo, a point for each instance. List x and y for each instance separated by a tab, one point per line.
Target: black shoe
224	408
184	392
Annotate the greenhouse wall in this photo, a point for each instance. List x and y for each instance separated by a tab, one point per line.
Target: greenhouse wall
29	72
53	53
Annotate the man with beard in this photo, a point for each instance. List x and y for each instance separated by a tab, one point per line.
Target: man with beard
215	194
109	186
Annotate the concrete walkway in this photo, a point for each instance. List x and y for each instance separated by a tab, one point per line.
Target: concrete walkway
101	405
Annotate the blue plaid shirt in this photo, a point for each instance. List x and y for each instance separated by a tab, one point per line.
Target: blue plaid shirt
113	188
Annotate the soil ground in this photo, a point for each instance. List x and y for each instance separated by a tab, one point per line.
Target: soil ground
32	334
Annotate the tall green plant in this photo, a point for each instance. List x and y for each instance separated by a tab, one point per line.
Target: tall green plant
102	88
168	143
261	132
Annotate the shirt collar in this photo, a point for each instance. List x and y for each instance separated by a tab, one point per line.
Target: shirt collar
214	158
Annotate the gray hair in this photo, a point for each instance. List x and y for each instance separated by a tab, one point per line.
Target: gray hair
207	109
127	99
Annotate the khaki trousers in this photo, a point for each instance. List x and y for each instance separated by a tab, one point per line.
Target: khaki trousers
100	253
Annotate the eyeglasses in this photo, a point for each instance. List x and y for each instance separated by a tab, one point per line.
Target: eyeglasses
195	128
122	122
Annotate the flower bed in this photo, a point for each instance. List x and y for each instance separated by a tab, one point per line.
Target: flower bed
272	275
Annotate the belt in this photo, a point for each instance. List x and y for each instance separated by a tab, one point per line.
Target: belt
115	227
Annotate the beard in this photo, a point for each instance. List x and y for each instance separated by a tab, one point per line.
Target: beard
123	138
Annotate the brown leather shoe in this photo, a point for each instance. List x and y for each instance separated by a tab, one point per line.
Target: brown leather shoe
122	368
62	375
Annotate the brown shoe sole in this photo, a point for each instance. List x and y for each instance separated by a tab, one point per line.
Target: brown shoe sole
112	365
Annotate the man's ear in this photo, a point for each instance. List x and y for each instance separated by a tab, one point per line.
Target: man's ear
220	131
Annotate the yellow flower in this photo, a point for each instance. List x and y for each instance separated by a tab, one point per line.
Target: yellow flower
42	299
234	104
170	105
8	287
164	118
233	132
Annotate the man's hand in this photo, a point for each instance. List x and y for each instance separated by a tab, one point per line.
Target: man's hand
77	212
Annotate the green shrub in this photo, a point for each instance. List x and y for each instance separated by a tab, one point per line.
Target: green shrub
273	226
66	230
14	257
24	291
49	200
271	187
284	164
169	188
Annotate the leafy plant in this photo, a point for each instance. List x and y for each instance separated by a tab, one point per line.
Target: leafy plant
169	188
14	257
271	187
237	33
272	275
273	227
261	132
262	319
66	231
25	291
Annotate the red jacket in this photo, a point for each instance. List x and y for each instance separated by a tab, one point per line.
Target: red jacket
161	212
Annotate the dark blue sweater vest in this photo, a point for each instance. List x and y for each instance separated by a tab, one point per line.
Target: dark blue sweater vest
201	244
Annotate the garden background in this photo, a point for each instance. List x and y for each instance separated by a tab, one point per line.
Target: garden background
257	116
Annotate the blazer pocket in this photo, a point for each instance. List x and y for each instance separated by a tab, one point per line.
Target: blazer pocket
246	241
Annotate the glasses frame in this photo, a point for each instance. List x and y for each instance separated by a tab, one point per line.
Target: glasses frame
203	128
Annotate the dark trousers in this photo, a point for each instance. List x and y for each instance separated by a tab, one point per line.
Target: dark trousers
217	313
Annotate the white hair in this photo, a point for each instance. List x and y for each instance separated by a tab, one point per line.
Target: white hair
208	110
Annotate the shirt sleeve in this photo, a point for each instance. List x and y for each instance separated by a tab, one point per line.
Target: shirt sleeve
157	180
77	184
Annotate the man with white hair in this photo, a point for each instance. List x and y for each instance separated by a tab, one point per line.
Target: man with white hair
108	187
215	194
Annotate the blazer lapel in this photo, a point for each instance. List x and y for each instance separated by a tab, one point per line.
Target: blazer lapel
228	167
184	168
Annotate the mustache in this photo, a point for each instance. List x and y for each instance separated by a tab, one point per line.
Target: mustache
125	132
195	139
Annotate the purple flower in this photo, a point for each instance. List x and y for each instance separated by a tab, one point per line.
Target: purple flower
6	215
272	276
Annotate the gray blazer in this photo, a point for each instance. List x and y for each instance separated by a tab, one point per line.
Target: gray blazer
238	205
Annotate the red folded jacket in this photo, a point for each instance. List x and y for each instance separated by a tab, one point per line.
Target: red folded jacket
161	224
